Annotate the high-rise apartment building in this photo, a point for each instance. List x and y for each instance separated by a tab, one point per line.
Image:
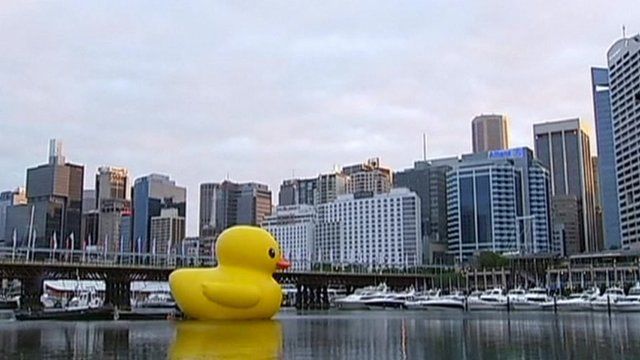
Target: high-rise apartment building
7	199
368	177
54	202
294	227
608	185
225	204
112	200
373	229
330	186
498	201
563	147
429	182
167	231
151	194
623	60
490	132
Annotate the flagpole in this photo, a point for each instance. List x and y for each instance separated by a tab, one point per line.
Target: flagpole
13	253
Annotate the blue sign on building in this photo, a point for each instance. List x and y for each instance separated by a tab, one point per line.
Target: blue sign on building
507	154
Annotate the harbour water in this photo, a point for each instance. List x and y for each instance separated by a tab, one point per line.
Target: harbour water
336	335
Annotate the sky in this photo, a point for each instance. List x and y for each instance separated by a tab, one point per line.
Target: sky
263	91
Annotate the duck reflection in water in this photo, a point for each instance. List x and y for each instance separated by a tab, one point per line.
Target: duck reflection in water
259	339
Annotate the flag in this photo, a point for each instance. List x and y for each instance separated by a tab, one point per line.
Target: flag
139	245
153	247
73	241
15	238
169	247
55	241
106	244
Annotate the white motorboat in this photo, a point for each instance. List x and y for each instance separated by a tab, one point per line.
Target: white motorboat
389	300
448	302
157	300
356	300
418	300
577	302
607	300
629	303
534	299
493	299
82	301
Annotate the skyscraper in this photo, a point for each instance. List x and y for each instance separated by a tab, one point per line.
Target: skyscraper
167	230
226	204
112	200
563	147
368	177
429	182
298	192
624	67
498	201
330	186
490	132
606	164
7	199
151	194
55	191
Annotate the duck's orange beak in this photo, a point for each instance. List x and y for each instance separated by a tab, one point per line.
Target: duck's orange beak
283	264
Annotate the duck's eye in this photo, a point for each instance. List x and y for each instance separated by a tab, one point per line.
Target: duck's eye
272	253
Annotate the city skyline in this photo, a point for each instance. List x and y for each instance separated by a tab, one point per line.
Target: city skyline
380	110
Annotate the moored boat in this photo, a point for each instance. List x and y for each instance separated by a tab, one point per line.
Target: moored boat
489	300
629	303
606	301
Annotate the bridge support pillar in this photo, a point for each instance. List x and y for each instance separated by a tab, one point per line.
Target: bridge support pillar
118	293
30	292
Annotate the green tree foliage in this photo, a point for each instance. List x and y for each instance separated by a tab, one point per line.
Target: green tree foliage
490	260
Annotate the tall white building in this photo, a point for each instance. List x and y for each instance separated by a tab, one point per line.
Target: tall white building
379	229
624	80
294	227
167	230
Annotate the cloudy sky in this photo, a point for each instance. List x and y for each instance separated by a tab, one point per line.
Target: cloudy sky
263	90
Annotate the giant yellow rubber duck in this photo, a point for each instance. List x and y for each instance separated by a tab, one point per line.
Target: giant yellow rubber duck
257	339
241	287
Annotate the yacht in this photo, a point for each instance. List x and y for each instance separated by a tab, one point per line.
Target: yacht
389	300
418	300
84	301
578	301
534	299
493	299
356	300
157	300
453	301
607	300
631	302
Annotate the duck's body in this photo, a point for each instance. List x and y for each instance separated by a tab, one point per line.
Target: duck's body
241	287
225	293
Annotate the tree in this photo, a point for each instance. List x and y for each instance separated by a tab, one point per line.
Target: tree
489	259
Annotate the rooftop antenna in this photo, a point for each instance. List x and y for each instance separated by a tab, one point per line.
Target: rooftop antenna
624	32
424	146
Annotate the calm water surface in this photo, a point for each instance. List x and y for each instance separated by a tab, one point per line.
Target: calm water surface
335	335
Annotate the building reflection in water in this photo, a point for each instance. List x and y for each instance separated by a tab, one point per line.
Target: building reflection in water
472	336
346	335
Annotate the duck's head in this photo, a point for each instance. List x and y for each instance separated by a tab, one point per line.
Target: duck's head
250	247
